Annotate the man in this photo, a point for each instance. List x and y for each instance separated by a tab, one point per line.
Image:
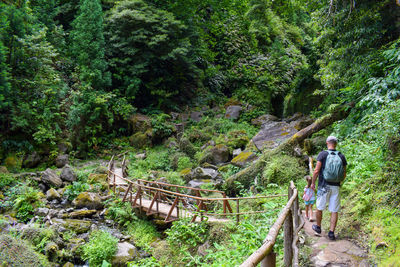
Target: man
332	164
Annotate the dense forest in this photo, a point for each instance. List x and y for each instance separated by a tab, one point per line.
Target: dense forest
92	78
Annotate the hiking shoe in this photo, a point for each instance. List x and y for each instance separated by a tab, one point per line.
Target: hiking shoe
316	228
331	235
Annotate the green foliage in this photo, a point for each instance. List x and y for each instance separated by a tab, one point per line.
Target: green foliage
185	233
149	53
74	189
88	44
101	247
143	233
184	163
157	159
121	212
6	180
161	127
281	169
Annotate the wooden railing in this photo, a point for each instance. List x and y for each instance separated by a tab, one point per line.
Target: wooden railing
292	222
192	201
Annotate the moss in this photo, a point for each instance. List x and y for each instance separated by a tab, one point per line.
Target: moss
185	172
15	252
187	147
13	163
3	169
281	169
139	140
242	157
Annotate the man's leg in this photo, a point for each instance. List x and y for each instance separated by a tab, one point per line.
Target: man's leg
334	219
318	214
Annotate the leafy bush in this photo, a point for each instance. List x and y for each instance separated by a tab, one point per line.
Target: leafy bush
121	212
281	169
161	127
143	233
74	189
6	180
183	232
183	163
26	202
101	247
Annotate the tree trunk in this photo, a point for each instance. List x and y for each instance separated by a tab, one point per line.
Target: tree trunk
246	176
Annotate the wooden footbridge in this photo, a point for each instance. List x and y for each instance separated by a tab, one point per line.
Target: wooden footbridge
173	202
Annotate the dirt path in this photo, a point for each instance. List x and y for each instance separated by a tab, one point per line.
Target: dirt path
338	253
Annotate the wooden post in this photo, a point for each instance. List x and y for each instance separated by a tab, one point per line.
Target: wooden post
269	260
237	211
296	213
288	240
224	204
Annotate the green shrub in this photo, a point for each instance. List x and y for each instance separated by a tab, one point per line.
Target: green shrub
183	232
6	180
121	212
74	189
26	202
161	127
184	163
187	147
143	233
101	247
281	169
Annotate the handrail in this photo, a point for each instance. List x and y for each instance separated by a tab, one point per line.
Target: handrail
195	197
181	186
265	254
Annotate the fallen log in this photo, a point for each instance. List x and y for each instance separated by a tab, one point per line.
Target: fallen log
246	176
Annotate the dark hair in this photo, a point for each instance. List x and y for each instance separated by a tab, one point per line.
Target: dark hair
309	180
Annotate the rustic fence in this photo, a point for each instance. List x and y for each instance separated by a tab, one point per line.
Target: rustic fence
292	222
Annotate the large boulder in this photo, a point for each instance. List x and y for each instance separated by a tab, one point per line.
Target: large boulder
68	174
243	159
51	178
140	140
196	116
264	119
88	200
125	252
98	178
216	155
31	160
272	134
62	160
80	214
233	112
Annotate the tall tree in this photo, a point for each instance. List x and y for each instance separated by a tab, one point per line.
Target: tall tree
87	44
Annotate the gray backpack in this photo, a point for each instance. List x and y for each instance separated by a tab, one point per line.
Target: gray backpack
334	170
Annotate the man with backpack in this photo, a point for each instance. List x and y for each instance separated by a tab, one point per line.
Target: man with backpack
331	170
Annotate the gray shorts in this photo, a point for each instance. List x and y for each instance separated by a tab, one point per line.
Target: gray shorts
329	194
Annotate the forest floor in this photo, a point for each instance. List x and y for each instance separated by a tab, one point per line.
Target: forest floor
338	253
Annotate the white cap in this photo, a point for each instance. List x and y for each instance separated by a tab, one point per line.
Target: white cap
331	139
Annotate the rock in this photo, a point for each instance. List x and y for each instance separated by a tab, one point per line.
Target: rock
80	214
174	116
233	112
140	156
88	200
68	264
64	147
52	194
125	252
51	178
42	187
3	169
264	119
140	140
68	174
51	248
301	122
139	123
79	226
202	250
196	116
172	144
243	159
42	211
62	160
195	183
205	173
272	134
98	178
209	143
101	169
32	160
294	117
236	152
215	155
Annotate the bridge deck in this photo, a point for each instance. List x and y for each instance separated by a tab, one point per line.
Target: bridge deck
163	208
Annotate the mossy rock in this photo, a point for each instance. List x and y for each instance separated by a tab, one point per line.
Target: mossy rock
78	226
139	123
243	159
187	147
88	200
18	253
80	214
215	155
98	178
281	169
3	169
140	140
185	172
12	163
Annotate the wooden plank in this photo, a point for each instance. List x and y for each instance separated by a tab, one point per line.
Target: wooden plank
288	240
172	208
126	192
